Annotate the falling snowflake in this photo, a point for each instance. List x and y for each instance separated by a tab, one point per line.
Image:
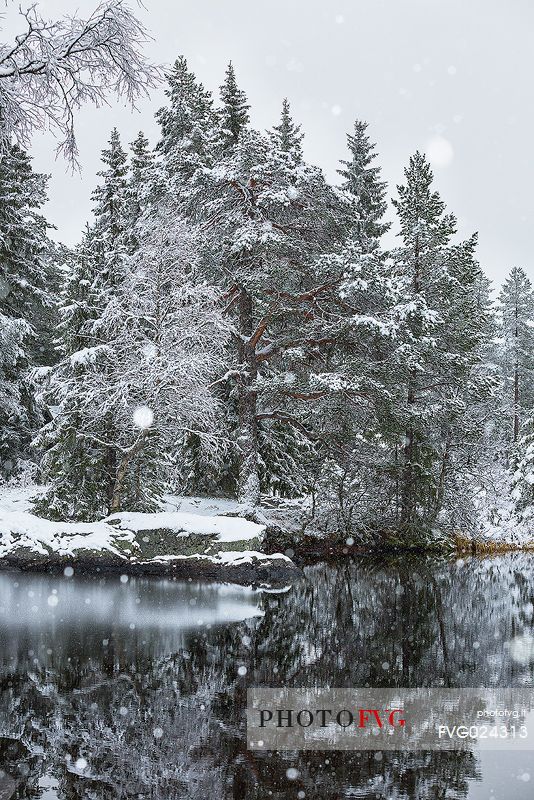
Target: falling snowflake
149	351
439	151
522	649
143	417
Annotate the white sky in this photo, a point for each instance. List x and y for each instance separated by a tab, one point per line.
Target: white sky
414	69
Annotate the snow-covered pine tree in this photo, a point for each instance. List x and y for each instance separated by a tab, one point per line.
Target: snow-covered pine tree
437	352
287	454
142	186
516	351
233	114
27	298
187	127
110	231
287	135
80	469
268	218
353	488
466	438
366	191
14	417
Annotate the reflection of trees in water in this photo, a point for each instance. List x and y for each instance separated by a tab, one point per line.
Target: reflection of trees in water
430	624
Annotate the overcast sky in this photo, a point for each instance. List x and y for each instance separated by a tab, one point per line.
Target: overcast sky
451	77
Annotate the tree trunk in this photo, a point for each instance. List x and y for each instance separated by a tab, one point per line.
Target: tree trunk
440	491
408	501
248	482
516	374
516	402
110	475
409	477
122	471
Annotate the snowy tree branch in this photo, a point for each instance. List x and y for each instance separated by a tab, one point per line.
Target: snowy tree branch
53	68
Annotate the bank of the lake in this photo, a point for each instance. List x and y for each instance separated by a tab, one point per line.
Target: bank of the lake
207	538
188	538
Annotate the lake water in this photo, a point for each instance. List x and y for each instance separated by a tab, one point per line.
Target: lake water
116	688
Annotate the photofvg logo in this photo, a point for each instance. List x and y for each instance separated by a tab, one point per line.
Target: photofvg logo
345	718
390	719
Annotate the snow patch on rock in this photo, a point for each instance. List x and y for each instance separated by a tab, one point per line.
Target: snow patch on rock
227	529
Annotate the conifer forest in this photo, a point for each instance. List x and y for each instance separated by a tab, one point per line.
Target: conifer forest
231	324
266	399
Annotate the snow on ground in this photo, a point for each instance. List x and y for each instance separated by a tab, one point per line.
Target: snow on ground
231	557
20	528
498	519
227	529
203	506
17	498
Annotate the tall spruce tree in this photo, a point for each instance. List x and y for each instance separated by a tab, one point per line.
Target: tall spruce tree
287	136
142	187
437	356
354	482
28	284
183	123
233	114
77	462
516	305
364	187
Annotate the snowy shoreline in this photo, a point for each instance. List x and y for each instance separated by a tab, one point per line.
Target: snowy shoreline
191	537
182	543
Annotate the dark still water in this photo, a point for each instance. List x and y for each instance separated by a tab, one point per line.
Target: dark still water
115	688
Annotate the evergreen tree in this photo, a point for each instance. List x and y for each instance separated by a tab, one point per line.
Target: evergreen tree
142	186
365	190
14	417
233	114
268	219
516	301
287	136
437	355
70	439
187	126
27	299
110	230
353	483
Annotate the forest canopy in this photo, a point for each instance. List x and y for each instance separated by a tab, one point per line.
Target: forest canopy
231	323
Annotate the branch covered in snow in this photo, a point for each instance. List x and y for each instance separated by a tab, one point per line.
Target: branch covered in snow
53	68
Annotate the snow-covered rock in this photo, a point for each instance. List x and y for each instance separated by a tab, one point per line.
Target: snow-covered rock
226	529
179	542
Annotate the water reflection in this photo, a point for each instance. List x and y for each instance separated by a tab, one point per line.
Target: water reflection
137	689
